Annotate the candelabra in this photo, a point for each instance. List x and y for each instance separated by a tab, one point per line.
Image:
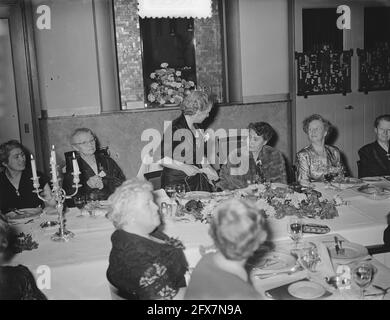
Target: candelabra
57	194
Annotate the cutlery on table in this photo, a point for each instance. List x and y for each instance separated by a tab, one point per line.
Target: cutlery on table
384	291
337	248
294	269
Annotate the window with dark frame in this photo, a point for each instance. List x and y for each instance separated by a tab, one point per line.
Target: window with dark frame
169	41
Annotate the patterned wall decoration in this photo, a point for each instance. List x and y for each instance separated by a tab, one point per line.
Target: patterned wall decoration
323	72
374	68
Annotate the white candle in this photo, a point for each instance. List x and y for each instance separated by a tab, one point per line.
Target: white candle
76	169
53	157
34	168
54	173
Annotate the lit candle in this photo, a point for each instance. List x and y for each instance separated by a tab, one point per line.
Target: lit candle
53	157
76	169
34	168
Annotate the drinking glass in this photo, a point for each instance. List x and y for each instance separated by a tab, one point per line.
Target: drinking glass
294	229
180	190
362	274
171	191
79	201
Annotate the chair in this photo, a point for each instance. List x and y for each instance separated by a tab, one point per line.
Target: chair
155	178
359	169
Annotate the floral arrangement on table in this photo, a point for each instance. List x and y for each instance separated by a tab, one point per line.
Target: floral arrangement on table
168	86
276	202
281	202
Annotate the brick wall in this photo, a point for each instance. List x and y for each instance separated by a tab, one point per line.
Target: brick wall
208	52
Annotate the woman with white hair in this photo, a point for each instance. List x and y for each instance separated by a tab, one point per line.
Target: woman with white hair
144	262
238	229
100	174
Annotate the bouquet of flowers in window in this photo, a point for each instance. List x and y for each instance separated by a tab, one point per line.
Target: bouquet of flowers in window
168	86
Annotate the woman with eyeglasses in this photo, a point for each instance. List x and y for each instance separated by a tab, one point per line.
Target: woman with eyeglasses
375	156
100	174
16	185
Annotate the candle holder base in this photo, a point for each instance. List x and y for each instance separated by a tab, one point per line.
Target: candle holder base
64	236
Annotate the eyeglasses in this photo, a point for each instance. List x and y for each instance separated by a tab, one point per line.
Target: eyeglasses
86	142
387	131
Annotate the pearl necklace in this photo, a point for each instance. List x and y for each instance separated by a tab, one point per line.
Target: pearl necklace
13	182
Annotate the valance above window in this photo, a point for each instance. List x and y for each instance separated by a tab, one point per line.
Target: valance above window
174	8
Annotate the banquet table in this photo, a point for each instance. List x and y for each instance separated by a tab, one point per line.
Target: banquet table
78	267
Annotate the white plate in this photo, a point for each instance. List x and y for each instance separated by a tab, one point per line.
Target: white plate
275	261
352	251
372	179
197	195
306	290
24	213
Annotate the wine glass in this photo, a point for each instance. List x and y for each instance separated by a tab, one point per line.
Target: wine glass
171	191
79	201
294	229
180	190
362	274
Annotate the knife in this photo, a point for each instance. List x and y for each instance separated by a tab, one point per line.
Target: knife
337	248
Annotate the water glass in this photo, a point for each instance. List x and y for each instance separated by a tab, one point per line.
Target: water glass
79	201
171	191
294	229
309	258
180	190
362	275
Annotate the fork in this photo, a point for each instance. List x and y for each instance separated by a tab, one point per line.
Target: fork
294	269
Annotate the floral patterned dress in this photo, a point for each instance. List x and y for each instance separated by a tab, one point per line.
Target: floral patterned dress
311	167
142	269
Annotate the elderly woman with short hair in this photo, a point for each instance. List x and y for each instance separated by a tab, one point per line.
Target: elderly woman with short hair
238	229
265	163
16	185
144	262
100	174
185	167
317	159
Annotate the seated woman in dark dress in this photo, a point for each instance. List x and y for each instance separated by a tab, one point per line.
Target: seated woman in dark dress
375	156
16	186
185	168
238	229
265	163
16	282
144	262
99	174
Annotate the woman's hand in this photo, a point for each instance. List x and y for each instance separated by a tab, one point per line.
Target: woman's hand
95	182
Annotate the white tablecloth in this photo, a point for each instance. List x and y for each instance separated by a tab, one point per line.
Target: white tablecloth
78	267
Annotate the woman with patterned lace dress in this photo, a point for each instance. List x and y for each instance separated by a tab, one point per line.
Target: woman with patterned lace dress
16	282
317	159
144	262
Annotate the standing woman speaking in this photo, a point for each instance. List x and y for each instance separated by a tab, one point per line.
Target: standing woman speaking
184	167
